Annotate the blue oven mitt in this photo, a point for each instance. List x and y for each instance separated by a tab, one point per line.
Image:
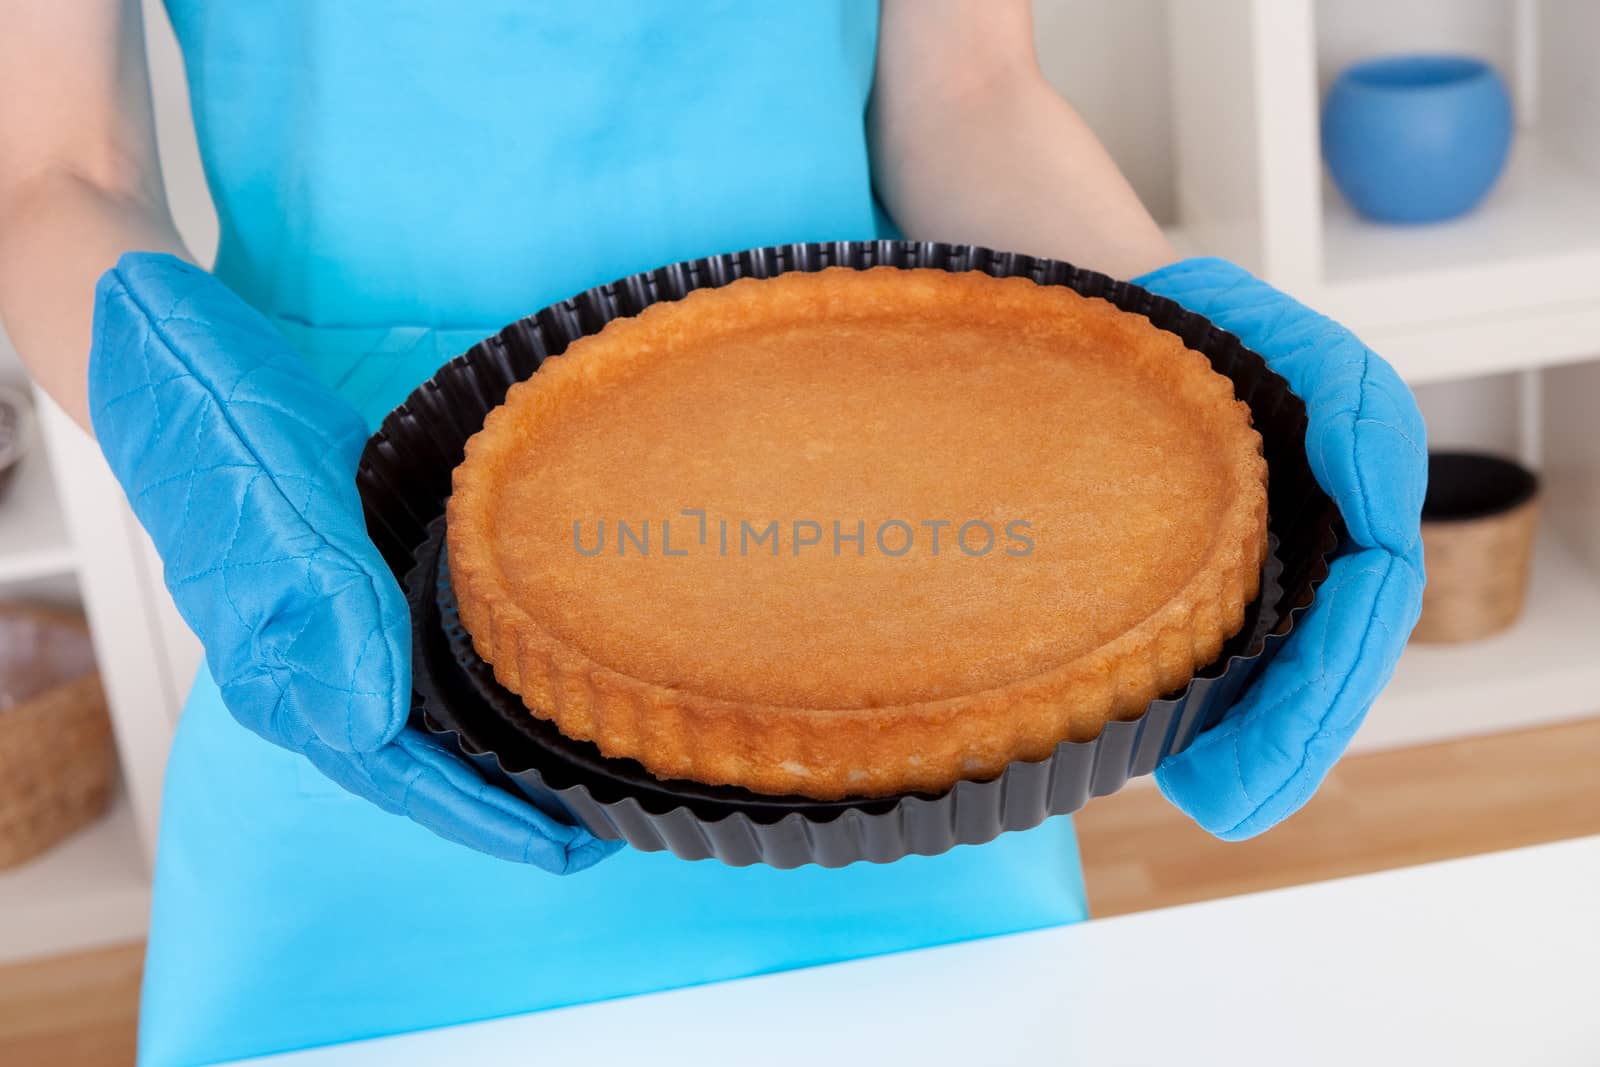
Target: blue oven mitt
1367	450
241	465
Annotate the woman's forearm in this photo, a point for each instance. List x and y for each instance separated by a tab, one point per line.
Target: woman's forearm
971	143
57	236
79	180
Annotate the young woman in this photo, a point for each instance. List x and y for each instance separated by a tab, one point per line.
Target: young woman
396	180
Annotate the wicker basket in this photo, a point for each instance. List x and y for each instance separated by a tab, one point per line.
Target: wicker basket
57	762
1478	527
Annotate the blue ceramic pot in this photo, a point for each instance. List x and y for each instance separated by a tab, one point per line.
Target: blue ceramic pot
1416	138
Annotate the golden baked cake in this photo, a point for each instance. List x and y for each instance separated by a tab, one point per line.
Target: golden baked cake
854	533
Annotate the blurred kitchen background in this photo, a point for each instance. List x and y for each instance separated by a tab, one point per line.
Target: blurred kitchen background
1212	107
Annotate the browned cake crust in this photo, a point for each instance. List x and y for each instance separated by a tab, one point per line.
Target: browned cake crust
920	396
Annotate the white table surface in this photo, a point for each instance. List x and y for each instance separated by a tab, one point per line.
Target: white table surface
1489	960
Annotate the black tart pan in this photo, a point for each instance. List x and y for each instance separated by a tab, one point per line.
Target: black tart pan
404	479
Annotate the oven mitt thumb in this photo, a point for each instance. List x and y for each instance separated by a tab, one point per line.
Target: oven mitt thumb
241	466
1367	450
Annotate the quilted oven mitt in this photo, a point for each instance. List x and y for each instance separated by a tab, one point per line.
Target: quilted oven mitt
241	466
1367	450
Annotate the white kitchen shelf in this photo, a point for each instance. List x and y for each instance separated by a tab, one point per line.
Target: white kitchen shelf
33	539
1545	209
90	890
1544	669
1482	292
1465	346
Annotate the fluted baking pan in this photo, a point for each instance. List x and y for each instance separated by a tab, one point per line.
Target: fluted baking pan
405	479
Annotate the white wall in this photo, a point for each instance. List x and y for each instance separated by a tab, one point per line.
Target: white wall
180	157
1349	30
1109	58
1568	90
1477	414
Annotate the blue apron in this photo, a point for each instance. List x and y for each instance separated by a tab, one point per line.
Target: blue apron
395	180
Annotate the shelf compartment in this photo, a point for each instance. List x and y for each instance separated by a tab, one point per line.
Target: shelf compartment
1542	670
1535	242
88	891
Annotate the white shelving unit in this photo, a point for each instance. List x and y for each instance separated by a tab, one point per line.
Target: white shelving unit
1496	312
66	534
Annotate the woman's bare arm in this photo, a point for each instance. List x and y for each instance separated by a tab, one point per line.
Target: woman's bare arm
971	143
79	179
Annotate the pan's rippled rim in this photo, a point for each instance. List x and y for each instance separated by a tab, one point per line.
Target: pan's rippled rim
459	700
